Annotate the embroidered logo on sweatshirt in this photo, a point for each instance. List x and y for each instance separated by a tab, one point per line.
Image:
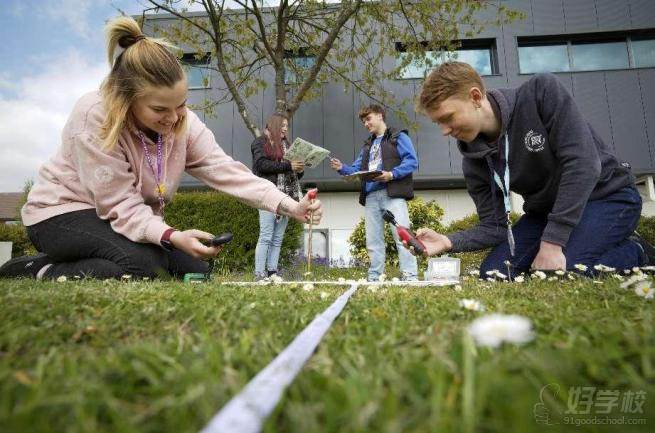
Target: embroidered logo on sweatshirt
534	141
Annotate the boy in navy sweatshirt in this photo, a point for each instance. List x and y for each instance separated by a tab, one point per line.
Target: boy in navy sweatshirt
391	152
581	204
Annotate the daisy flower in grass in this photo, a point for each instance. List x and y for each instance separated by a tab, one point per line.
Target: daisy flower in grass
307	287
539	274
602	268
494	329
471	305
580	267
633	279
519	279
645	289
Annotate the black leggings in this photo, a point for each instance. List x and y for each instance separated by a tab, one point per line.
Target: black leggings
83	245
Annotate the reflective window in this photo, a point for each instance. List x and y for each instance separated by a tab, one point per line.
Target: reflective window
295	64
583	53
319	244
479	58
340	256
196	71
600	56
643	53
543	58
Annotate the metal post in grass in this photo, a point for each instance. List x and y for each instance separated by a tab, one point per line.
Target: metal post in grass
311	195
468	390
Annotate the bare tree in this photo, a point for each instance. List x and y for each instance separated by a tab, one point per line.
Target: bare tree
352	42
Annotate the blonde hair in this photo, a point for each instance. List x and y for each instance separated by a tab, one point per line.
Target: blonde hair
144	63
449	79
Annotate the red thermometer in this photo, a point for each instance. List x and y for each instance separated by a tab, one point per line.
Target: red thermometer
404	233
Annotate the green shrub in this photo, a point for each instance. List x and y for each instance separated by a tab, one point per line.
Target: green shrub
217	213
421	214
646	228
16	233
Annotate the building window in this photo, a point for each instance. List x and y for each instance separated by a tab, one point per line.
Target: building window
544	58
296	63
197	70
579	53
340	256
599	56
320	248
643	53
477	53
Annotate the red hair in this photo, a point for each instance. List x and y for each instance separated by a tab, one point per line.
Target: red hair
273	133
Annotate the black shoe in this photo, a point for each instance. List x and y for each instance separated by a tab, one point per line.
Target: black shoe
271	273
25	266
648	251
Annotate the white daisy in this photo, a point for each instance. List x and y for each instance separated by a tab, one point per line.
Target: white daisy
471	305
539	274
602	268
645	289
580	267
519	279
494	329
307	287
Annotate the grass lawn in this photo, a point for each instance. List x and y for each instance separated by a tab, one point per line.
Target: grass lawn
84	356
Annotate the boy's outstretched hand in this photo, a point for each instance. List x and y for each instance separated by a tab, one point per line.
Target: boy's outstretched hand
435	243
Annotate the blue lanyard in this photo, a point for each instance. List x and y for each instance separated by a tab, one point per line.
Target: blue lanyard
504	188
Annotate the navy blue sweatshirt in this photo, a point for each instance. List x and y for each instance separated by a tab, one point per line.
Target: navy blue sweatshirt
557	163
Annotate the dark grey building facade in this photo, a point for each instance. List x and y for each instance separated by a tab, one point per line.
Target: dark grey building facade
603	51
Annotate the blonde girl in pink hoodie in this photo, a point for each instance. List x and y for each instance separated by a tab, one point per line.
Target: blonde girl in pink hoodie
97	207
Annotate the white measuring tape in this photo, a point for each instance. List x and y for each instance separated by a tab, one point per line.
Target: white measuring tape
248	410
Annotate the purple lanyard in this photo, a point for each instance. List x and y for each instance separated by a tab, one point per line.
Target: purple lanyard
158	178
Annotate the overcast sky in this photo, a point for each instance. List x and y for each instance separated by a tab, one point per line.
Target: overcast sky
52	53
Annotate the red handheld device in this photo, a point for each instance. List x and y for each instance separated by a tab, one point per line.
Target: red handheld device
404	233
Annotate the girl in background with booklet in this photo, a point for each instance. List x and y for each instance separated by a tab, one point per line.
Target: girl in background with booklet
268	162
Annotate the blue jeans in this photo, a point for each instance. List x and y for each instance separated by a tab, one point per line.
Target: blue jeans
376	203
271	233
601	237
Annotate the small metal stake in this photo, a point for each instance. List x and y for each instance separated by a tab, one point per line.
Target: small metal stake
311	195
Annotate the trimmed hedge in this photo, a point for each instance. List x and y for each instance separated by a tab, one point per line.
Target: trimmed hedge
217	213
209	211
16	233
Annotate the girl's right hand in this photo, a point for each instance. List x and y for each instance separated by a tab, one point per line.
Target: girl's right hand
298	166
188	242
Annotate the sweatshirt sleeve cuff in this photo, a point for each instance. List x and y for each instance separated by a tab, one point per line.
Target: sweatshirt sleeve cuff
155	231
455	240
557	233
272	200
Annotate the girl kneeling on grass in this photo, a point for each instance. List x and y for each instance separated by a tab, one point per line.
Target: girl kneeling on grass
98	204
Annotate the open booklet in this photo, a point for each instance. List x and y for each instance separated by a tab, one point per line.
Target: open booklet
306	152
362	175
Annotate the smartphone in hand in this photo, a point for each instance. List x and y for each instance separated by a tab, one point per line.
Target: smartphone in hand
221	239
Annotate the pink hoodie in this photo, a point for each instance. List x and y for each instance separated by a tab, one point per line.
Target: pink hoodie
119	184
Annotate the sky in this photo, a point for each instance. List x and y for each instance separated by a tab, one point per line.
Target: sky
53	53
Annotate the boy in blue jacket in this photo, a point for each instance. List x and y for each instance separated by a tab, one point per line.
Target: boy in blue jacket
581	204
391	152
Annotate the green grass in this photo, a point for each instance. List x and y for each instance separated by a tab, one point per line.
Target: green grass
164	356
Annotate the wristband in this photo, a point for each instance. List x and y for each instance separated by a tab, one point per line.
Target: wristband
165	240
